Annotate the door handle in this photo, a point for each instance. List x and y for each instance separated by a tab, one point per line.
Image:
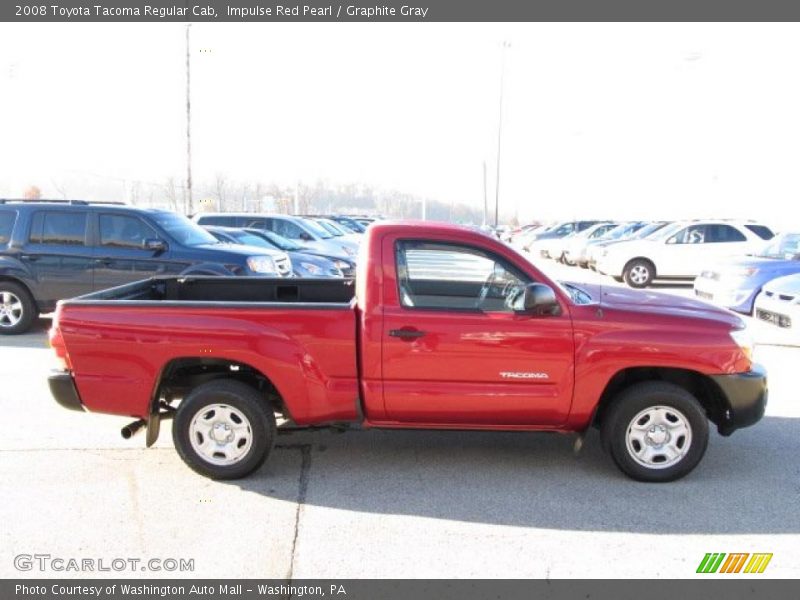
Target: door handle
102	261
29	257
406	334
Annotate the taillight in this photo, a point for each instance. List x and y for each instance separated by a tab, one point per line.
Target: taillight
57	344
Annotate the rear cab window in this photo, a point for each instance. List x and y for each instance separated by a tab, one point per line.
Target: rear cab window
7	220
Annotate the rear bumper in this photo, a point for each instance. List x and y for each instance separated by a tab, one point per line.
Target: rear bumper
745	397
62	386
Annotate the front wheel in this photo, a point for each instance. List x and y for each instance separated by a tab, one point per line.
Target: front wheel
224	429
655	432
639	273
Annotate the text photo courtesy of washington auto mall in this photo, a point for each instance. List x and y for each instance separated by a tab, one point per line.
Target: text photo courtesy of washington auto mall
323	303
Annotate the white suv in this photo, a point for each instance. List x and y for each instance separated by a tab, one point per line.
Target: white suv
680	251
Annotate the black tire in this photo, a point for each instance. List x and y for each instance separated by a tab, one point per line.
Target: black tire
13	322
637	399
247	402
639	273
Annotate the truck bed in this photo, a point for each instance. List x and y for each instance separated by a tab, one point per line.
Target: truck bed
302	332
164	290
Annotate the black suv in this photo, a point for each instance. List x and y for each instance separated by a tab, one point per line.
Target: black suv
52	249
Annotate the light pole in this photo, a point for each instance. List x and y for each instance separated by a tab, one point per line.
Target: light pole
506	45
189	208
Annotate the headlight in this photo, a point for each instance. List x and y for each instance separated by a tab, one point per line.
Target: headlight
311	268
342	265
349	251
261	264
744	339
742	272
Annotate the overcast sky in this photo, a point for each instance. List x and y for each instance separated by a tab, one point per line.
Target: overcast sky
600	120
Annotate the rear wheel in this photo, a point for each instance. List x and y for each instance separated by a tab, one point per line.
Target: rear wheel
224	429
655	431
17	309
639	273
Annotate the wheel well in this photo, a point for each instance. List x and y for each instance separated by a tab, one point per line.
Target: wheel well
22	284
700	386
181	375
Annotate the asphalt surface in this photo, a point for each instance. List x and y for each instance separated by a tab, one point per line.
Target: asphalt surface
370	504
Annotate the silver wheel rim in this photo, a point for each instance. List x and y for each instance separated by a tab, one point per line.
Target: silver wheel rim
220	434
658	437
10	309
640	274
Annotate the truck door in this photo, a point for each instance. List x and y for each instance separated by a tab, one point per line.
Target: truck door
453	350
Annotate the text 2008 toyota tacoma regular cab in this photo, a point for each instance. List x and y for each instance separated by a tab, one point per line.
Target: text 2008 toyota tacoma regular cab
445	328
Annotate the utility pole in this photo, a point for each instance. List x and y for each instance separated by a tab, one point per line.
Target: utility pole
506	45
485	197
189	208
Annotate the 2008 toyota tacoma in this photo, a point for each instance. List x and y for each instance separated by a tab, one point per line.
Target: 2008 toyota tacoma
442	328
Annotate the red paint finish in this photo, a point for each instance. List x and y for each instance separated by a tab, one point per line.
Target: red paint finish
342	365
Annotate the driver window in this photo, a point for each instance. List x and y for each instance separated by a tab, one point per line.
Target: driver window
449	276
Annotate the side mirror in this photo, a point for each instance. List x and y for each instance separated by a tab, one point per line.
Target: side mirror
537	299
155	245
305	237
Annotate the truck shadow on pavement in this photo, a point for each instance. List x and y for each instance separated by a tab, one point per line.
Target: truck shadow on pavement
745	484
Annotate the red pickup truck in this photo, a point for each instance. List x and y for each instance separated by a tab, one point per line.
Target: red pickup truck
443	328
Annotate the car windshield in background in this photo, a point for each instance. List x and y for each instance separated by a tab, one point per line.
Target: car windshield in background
318	229
578	295
786	246
184	231
665	232
618	231
249	239
330	228
648	230
282	242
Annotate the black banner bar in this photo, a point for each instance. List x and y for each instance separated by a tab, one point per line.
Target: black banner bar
108	11
732	588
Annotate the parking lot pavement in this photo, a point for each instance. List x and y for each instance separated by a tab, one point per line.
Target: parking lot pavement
389	504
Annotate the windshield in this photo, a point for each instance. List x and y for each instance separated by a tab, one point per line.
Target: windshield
617	232
331	228
182	230
576	294
250	239
281	242
786	246
317	229
665	232
647	230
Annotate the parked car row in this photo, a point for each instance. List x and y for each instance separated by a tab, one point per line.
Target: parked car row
739	265
56	249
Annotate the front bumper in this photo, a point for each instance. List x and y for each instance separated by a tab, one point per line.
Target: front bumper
732	297
744	398
62	386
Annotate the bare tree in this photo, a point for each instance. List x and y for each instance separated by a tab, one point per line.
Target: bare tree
220	191
32	193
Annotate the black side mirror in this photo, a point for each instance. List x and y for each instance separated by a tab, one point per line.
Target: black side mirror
537	299
155	245
305	237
